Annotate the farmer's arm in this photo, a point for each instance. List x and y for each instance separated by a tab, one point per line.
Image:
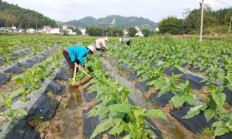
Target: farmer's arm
104	44
81	58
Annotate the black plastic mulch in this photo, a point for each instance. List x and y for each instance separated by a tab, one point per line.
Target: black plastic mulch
169	71
4	78
228	96
14	69
45	107
132	74
142	86
55	88
89	124
195	82
61	75
225	136
194	124
163	100
22	130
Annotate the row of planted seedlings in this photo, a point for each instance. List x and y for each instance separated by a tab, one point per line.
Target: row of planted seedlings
14	41
26	60
31	47
149	66
177	57
30	97
114	115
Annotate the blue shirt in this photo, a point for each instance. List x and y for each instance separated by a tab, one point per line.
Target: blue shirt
77	53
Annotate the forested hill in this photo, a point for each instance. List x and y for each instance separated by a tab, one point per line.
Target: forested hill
114	20
13	15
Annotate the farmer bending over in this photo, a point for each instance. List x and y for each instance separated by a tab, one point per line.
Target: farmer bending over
125	41
101	43
76	54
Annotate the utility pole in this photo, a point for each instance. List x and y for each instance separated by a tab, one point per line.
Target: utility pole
230	23
36	27
202	12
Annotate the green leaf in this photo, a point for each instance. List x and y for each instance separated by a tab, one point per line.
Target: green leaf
220	131
155	114
16	93
139	72
219	98
102	126
178	101
118	128
19	112
119	108
193	111
164	90
209	114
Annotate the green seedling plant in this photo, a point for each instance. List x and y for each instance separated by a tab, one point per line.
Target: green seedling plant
22	82
214	107
7	100
117	116
183	94
168	86
7	59
223	126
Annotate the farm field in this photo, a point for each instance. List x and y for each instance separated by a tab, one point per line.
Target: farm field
155	88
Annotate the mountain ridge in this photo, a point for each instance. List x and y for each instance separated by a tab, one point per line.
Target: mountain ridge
113	20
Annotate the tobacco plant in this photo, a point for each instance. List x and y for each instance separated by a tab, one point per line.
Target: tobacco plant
117	116
214	107
223	126
7	100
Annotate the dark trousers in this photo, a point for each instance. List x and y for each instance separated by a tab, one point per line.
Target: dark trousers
67	58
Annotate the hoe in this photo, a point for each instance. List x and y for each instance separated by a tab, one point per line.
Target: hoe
82	81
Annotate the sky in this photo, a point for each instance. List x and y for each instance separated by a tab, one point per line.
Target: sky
155	10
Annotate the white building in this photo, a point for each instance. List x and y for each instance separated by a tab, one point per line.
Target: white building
139	33
30	30
125	32
83	31
157	29
70	32
54	31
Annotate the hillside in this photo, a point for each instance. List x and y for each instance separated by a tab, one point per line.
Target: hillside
116	20
13	15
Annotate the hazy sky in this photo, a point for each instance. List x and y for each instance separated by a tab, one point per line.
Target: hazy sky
155	10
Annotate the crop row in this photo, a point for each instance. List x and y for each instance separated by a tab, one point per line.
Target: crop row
179	92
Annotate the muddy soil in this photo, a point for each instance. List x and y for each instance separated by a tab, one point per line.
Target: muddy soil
67	123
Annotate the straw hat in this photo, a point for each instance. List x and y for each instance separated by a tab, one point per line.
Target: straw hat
91	48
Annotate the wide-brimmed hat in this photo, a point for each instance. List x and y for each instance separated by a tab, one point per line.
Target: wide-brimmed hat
106	38
91	48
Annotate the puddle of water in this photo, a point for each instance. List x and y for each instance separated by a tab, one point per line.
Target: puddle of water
170	128
67	123
70	116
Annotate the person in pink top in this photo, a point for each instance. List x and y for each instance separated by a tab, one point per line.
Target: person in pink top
101	43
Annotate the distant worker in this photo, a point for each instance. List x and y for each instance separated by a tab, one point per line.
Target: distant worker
76	54
125	41
101	43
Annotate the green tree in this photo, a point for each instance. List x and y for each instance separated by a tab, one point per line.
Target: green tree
132	31
171	25
77	30
147	32
113	31
95	31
